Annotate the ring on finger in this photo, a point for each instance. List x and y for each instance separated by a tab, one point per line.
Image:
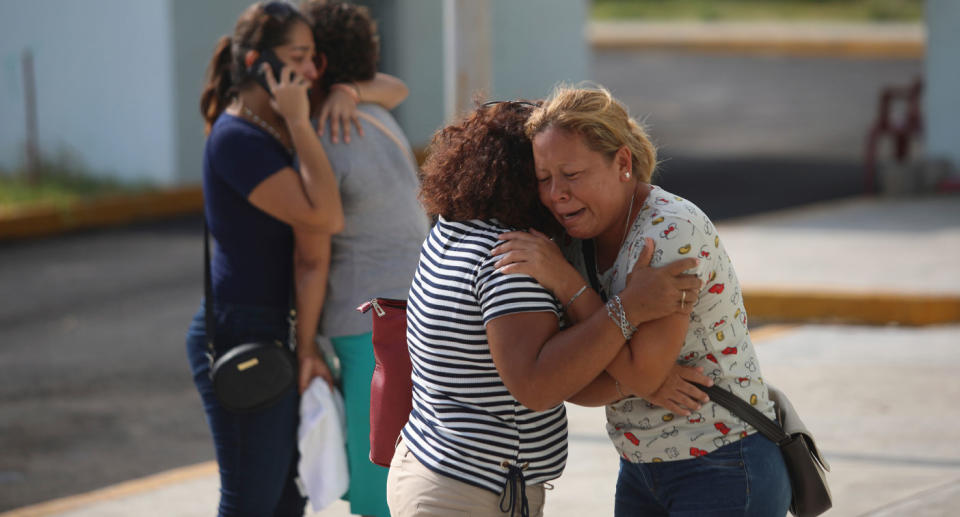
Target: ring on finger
683	298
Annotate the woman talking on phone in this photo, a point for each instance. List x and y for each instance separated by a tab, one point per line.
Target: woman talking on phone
257	118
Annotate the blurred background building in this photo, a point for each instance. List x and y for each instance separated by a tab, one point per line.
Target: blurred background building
116	83
942	101
111	86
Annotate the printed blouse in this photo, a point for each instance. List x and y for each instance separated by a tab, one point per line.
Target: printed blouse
717	338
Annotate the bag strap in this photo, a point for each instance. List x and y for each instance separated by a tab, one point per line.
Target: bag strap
208	303
208	293
745	411
589	251
380	125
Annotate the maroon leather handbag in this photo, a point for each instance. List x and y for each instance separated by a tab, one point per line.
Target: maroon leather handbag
391	387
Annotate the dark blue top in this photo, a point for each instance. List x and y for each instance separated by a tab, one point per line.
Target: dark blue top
253	259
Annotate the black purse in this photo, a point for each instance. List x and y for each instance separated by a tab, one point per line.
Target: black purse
805	464
250	376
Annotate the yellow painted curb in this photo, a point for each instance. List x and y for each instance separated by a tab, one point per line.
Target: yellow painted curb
119	491
863	308
913	50
779	304
897	41
107	211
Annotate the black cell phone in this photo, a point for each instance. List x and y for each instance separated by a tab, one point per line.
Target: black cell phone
267	56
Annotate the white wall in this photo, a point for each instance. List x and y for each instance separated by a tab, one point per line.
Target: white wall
942	95
197	26
415	50
104	89
536	44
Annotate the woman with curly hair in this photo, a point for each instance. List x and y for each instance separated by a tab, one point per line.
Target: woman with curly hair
491	366
376	252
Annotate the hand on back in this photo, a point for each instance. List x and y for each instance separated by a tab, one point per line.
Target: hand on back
533	253
340	109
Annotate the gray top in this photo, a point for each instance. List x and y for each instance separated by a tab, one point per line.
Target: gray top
376	254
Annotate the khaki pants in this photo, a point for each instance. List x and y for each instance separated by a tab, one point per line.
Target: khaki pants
413	490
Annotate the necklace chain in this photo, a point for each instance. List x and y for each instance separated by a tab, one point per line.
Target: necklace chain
266	126
626	226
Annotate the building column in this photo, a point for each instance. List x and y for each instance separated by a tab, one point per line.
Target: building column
941	100
467	49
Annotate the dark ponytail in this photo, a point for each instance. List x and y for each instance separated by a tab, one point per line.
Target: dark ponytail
216	91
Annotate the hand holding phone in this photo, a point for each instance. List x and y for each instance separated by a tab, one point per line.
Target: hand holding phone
269	57
288	90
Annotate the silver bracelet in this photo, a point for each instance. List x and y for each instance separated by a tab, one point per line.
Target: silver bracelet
574	297
625	327
619	317
623	318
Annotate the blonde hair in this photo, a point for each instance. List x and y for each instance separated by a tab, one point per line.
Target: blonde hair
602	121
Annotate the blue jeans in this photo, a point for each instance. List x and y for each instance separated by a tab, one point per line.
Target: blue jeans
745	478
256	452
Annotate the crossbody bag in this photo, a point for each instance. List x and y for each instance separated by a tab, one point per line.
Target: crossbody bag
249	376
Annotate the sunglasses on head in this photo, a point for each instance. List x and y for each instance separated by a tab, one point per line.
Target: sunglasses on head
279	9
512	103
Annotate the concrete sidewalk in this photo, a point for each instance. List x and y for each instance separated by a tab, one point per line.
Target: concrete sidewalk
868	260
881	399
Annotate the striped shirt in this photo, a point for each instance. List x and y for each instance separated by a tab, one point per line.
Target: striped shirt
465	424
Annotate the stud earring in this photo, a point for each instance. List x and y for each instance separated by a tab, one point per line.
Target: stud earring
627	175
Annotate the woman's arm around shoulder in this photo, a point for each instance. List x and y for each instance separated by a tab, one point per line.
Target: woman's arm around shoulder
540	365
340	106
384	89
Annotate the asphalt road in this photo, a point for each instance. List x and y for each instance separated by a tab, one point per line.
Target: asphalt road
95	388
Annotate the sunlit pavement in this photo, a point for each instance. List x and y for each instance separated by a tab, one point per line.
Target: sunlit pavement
881	401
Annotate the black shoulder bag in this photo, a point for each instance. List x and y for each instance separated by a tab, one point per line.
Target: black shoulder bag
249	376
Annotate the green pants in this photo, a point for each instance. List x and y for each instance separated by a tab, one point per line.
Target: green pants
368	482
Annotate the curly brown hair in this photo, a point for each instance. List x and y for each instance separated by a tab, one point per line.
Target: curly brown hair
481	167
347	36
